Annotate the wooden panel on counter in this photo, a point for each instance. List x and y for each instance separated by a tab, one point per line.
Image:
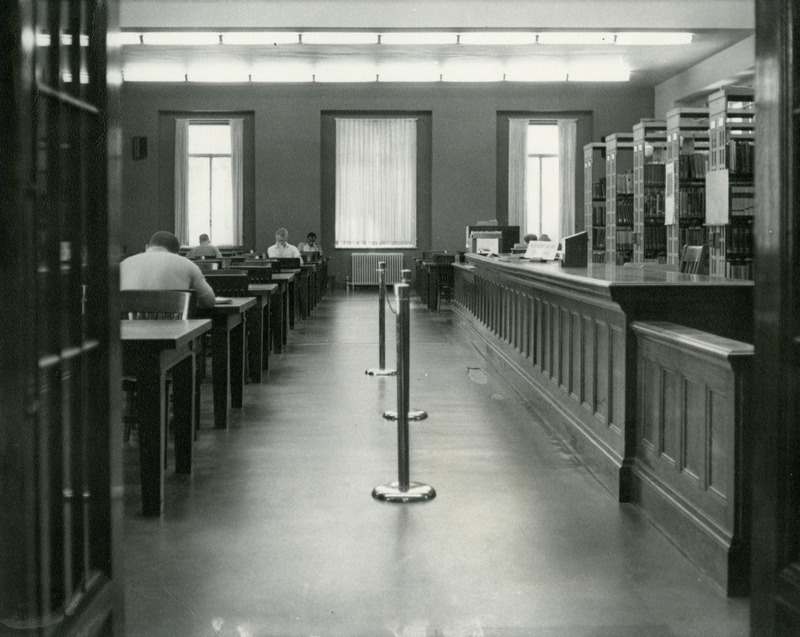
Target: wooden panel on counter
564	333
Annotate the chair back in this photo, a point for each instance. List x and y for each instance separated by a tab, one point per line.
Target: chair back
289	263
228	282
694	259
444	258
308	257
256	273
207	266
156	304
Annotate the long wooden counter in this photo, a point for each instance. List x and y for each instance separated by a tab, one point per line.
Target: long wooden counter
565	333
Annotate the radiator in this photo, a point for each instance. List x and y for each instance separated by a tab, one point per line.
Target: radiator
365	265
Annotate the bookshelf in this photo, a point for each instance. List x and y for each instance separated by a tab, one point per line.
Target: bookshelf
685	179
619	198
730	190
594	184
649	169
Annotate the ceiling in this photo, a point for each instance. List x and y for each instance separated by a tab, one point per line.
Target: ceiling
716	24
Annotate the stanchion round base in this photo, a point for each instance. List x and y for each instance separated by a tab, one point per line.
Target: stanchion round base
381	372
416	492
413	414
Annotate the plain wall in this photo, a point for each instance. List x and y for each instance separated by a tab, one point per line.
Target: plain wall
287	143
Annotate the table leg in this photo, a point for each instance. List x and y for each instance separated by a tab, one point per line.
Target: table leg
266	336
237	364
150	408
255	344
220	375
183	384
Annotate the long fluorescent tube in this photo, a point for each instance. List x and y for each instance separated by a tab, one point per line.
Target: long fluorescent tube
180	38
472	71
130	37
344	72
598	71
418	38
653	38
408	71
575	37
282	71
153	73
536	70
256	38
497	38
339	37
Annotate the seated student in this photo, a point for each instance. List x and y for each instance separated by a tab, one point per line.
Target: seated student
205	249
282	249
310	245
160	267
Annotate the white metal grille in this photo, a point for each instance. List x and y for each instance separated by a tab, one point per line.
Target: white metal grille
365	266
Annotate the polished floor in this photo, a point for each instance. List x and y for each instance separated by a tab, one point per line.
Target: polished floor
276	532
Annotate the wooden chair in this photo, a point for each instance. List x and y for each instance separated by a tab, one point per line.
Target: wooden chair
256	273
444	267
694	259
230	282
162	305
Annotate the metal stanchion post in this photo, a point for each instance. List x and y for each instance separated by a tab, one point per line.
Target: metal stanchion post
413	414
403	490
381	371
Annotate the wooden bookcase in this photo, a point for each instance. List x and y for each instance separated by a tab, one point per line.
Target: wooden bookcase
594	185
730	194
649	169
685	183
619	198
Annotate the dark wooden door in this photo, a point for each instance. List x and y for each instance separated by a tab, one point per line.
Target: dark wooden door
775	430
60	499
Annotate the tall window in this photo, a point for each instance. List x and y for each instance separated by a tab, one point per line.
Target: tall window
208	180
542	196
376	183
210	197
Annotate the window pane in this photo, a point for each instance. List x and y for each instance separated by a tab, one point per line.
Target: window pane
198	199
221	202
534	191
209	139
543	139
550	204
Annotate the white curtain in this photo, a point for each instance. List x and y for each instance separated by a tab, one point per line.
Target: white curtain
376	182
237	176
518	174
181	178
567	132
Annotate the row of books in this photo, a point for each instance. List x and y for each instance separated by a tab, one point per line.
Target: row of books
743	200
654	175
692	165
598	215
599	238
599	255
739	270
691	202
654	241
654	204
739	242
624	240
692	236
625	211
599	188
741	156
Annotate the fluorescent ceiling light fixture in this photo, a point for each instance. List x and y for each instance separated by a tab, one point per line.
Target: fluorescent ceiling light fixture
180	38
153	73
575	37
653	38
130	37
598	71
497	38
345	71
418	37
256	38
339	37
43	39
66	77
408	71
217	75
472	71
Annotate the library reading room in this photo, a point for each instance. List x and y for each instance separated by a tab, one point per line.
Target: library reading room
400	318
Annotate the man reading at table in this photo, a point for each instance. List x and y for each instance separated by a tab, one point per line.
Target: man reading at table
160	267
205	249
282	249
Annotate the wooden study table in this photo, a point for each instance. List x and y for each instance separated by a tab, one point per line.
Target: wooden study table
150	349
265	292
227	353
